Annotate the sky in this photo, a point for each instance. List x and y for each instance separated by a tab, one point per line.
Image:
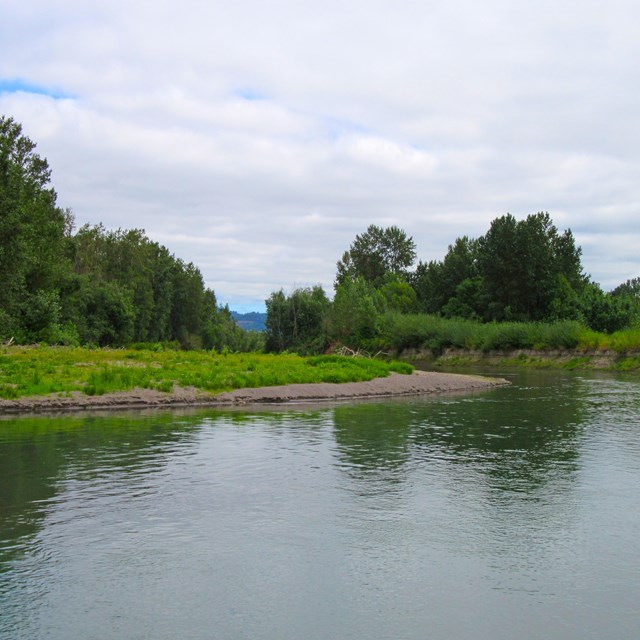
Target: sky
257	139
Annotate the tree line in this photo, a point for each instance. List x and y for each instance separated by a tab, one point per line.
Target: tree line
519	271
93	286
110	288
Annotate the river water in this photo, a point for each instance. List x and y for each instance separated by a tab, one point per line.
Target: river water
513	513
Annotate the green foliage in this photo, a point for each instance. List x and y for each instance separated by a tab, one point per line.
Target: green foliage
437	283
297	322
167	295
376	253
98	286
28	371
606	312
567	300
278	326
624	341
521	262
629	291
105	314
154	346
345	369
420	331
630	288
222	332
32	236
40	314
110	288
466	300
398	295
518	271
355	315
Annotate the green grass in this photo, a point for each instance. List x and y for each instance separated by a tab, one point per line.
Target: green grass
563	344
628	364
540	362
421	331
27	371
625	341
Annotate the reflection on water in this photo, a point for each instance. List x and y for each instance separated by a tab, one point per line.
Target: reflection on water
511	513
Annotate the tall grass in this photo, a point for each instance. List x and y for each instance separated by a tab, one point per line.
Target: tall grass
625	341
40	370
420	331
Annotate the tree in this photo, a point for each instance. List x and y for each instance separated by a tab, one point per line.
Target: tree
436	283
630	292
192	307
519	270
525	266
376	253
426	281
32	235
630	288
355	316
97	286
499	263
222	332
605	312
297	322
168	298
398	295
467	301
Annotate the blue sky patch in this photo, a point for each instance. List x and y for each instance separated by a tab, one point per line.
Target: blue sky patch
339	127
22	86
250	94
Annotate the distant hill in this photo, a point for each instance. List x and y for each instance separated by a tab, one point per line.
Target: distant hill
252	321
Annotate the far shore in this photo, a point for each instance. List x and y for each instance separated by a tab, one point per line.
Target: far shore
395	385
584	359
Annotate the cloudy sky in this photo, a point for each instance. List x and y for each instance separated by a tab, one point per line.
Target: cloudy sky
256	139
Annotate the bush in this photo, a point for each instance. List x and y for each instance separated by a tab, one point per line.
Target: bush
355	314
605	312
421	331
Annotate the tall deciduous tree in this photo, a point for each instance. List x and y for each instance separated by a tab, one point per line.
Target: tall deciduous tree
519	270
296	322
606	312
525	266
376	253
630	291
355	315
97	286
32	232
436	283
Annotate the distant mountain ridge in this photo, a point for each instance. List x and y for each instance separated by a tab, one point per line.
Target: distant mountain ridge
251	321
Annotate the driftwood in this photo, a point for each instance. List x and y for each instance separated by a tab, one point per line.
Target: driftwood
358	353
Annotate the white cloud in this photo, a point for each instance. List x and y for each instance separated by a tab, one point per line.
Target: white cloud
257	139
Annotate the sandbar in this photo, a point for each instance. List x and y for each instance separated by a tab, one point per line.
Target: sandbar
394	385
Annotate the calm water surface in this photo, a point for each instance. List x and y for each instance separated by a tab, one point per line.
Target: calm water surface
508	514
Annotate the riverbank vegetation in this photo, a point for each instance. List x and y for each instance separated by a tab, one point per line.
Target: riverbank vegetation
433	333
564	344
27	371
520	286
93	286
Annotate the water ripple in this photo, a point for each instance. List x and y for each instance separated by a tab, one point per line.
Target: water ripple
507	514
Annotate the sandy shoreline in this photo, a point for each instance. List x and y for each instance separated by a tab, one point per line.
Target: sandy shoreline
418	383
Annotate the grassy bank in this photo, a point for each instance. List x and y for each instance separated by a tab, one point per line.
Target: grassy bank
569	360
418	331
565	344
27	371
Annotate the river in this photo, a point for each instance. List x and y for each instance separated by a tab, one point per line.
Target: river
512	513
